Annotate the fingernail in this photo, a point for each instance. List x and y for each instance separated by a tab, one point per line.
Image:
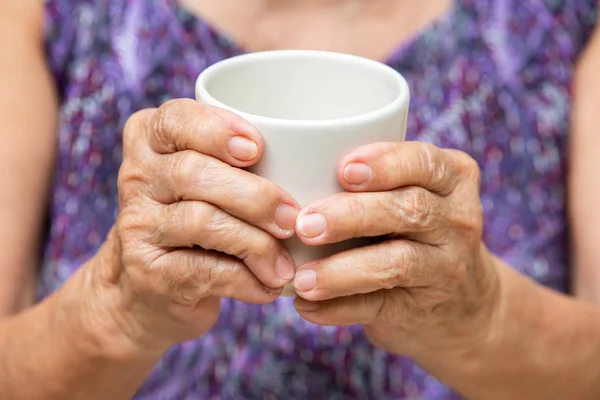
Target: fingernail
285	216
284	267
242	148
312	225
357	173
305	280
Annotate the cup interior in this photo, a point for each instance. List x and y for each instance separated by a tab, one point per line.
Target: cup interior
303	85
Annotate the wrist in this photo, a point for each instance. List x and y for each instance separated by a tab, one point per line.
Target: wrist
473	338
76	341
478	367
491	340
100	316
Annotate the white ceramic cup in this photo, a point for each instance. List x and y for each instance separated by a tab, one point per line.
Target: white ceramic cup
312	108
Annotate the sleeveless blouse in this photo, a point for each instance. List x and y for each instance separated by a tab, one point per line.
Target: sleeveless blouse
491	78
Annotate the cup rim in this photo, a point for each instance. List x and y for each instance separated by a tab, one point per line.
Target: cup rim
202	94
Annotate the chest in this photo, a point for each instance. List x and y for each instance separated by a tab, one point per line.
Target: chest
370	28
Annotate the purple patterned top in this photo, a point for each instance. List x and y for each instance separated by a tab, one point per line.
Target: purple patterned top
491	78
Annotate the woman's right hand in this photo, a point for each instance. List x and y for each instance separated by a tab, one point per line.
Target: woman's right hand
193	227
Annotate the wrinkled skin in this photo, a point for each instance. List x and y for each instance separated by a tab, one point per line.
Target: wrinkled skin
194	227
428	281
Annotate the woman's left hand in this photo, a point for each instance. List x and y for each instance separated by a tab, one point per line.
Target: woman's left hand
429	281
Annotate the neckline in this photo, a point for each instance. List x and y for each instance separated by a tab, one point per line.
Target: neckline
227	46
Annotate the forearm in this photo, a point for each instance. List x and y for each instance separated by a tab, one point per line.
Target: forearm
584	164
69	347
542	345
28	113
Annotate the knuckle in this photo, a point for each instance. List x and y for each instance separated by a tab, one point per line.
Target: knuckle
468	204
204	217
429	156
356	208
139	231
400	267
466	167
255	189
131	182
134	128
474	219
220	231
182	292
191	218
162	125
215	276
186	296
193	271
216	227
435	168
184	277
129	222
177	275
466	164
263	246
414	208
469	171
391	273
258	196
436	164
185	169
164	280
211	174
180	279
410	260
206	226
208	273
391	277
167	124
141	263
258	249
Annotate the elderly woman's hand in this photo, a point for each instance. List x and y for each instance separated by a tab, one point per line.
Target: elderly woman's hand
428	281
193	227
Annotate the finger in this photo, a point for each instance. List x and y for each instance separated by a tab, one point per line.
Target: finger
411	211
386	166
192	223
191	275
185	124
342	311
135	134
189	175
394	263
